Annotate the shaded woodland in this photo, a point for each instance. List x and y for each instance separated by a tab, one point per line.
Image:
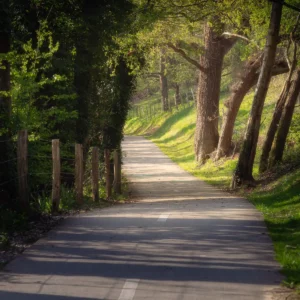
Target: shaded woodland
62	83
71	71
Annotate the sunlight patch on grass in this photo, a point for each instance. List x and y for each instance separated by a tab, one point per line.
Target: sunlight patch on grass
280	204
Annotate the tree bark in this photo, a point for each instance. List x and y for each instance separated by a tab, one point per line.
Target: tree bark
263	164
206	134
177	95
117	185
279	105
243	172
286	120
56	173
238	92
81	83
164	82
108	185
5	101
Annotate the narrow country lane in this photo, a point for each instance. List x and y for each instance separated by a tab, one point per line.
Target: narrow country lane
181	240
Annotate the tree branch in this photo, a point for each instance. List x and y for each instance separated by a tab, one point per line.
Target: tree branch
226	74
291	6
186	57
236	35
155	75
292	41
287	5
244	38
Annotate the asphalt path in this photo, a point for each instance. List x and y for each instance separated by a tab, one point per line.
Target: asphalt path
182	240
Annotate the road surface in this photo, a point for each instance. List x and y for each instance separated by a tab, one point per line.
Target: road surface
181	240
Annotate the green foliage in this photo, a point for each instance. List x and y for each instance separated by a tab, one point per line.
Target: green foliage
4	241
62	87
68	199
28	79
12	220
43	201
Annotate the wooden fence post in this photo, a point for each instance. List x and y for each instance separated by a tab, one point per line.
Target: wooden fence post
55	175
79	173
117	165
95	173
107	173
22	152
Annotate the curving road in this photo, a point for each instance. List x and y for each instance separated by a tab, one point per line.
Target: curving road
182	240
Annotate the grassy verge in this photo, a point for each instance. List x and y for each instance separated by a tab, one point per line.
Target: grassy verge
279	199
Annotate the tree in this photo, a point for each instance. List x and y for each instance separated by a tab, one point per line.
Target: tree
243	172
239	89
214	18
164	81
263	165
61	74
211	61
286	119
5	99
182	35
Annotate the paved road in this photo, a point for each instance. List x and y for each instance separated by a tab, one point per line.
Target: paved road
182	240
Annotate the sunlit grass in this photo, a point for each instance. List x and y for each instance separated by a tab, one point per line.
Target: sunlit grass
280	204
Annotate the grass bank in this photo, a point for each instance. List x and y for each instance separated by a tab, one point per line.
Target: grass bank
278	199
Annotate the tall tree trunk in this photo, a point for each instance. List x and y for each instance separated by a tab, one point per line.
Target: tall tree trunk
117	185
82	78
5	100
206	134
81	83
164	82
177	95
263	164
279	106
286	119
243	172
238	92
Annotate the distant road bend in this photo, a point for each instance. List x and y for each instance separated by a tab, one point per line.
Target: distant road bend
181	240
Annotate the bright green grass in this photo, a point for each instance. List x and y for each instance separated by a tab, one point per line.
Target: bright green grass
279	201
280	204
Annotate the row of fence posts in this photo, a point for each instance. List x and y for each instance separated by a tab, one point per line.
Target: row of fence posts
22	166
150	110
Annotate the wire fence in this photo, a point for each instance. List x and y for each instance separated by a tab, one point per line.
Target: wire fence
155	108
40	166
35	160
